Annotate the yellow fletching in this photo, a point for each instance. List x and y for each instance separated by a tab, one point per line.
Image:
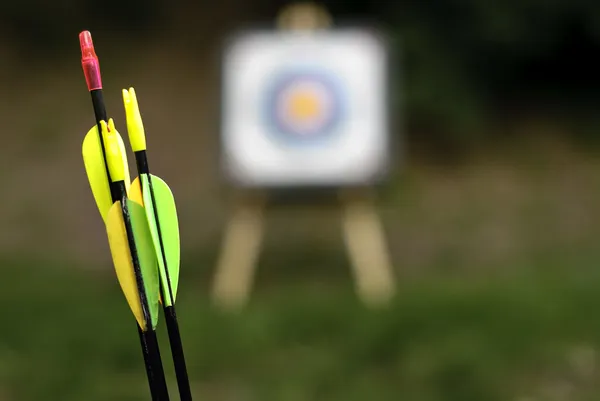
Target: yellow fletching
135	126
96	171
135	192
117	238
95	168
113	151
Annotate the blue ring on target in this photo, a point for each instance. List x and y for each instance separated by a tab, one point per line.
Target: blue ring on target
325	123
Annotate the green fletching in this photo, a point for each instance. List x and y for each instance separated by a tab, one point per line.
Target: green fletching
169	232
149	211
146	256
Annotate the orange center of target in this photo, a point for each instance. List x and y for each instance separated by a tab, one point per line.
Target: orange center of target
304	105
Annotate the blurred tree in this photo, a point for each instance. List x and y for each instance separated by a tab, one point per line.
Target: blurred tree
463	61
44	27
467	59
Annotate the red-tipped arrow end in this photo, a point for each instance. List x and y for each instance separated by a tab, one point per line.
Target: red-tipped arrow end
89	61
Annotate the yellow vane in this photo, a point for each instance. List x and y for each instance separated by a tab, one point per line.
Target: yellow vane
114	158
135	126
95	168
121	254
135	192
96	171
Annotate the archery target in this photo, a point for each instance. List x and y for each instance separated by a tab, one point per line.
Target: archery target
305	109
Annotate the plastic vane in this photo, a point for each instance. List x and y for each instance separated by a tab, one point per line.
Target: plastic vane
96	168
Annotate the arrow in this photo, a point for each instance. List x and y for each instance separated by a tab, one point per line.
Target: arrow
106	193
132	250
158	201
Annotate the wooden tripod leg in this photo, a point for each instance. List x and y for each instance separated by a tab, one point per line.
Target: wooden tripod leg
365	243
239	253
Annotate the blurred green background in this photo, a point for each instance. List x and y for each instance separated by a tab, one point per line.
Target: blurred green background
492	219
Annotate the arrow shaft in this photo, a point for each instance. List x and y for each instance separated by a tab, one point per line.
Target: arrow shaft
183	382
139	280
154	369
99	106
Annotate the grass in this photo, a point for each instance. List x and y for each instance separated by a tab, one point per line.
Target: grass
67	335
498	292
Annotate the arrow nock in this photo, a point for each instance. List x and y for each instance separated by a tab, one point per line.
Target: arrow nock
89	62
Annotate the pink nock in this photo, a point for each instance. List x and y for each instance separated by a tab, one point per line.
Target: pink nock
89	62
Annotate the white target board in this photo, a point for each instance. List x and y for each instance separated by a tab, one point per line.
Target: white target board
305	109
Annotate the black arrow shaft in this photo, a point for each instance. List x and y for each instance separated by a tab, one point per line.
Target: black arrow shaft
183	382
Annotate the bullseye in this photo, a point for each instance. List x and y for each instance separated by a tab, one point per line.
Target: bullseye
304	107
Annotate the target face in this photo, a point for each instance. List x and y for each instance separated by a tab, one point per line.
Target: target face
304	107
305	110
